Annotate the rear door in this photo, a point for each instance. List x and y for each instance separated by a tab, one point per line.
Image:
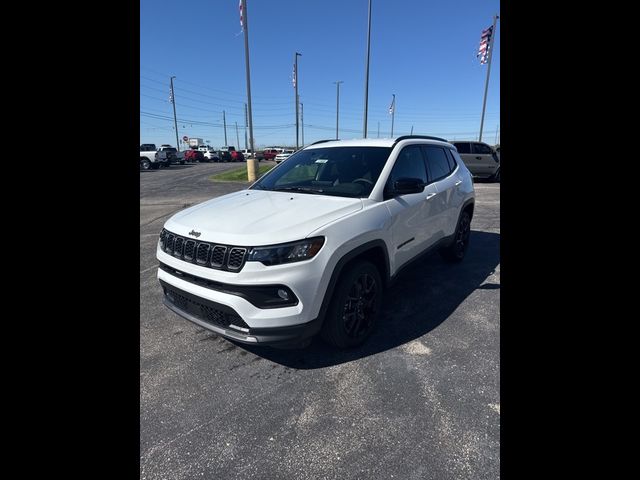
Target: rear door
464	150
442	174
483	156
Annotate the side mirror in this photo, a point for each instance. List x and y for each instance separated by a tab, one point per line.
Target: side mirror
403	186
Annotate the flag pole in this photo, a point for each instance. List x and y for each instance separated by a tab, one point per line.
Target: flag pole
486	85
175	120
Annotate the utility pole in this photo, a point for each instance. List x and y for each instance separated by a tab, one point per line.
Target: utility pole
486	85
246	147
366	76
237	137
337	105
302	121
224	121
175	120
295	84
411	130
393	112
252	164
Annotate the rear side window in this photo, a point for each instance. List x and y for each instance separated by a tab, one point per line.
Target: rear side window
409	164
463	147
452	161
481	148
437	162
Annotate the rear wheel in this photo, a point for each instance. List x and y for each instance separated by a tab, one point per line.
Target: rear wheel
355	308
145	164
456	251
496	177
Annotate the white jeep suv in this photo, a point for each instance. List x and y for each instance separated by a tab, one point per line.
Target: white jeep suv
312	244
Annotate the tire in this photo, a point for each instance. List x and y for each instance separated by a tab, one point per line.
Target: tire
155	166
355	308
458	248
496	177
145	164
182	162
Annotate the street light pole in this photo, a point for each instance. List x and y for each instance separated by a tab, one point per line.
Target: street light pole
295	76
366	81
337	105
224	122
175	120
302	121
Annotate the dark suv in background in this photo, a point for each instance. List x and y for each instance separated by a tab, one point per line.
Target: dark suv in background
481	160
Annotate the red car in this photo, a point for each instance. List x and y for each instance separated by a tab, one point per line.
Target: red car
237	156
270	153
193	156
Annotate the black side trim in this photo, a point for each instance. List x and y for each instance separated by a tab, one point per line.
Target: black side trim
404	243
261	296
343	261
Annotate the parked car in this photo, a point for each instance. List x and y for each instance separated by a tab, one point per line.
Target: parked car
225	156
345	217
270	153
171	154
151	158
481	160
237	156
211	156
283	156
193	156
180	157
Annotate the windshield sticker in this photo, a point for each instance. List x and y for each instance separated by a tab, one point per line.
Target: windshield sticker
321	160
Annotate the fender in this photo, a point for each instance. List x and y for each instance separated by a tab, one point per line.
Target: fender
346	258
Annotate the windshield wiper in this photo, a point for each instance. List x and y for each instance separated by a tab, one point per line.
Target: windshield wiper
298	189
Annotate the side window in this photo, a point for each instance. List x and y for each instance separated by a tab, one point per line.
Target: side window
456	156
463	147
481	148
409	164
437	162
452	161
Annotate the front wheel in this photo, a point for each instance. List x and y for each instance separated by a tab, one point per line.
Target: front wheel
456	251
145	164
355	308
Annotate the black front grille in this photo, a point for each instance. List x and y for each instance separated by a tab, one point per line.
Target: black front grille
210	312
219	257
236	258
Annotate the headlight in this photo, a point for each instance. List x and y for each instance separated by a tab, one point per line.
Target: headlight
286	252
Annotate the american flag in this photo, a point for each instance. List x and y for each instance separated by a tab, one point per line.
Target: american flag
170	95
392	106
485	41
241	18
294	76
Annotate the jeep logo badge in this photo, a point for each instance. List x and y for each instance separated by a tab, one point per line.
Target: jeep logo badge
194	233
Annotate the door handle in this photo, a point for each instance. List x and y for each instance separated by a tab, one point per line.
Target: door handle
478	158
431	195
458	183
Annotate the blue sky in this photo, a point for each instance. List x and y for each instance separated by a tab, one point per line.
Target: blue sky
422	51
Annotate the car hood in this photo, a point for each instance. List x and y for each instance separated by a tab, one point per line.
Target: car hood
256	217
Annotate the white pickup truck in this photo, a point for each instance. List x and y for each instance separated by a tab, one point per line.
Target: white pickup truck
152	157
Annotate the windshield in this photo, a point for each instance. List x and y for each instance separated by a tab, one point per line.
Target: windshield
341	171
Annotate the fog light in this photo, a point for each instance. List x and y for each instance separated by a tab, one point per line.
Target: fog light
283	294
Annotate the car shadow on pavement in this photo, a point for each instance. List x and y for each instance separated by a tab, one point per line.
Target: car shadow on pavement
424	296
179	167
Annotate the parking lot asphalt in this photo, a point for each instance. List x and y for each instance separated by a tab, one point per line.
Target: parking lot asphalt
420	400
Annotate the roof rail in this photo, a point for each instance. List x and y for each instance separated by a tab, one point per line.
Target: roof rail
424	137
322	141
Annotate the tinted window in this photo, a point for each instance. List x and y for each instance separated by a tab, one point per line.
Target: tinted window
463	147
481	148
341	171
452	162
409	164
437	162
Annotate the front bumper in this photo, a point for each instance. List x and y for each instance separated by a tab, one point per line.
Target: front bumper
226	322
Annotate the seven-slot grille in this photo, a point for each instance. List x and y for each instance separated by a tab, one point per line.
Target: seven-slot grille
220	257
